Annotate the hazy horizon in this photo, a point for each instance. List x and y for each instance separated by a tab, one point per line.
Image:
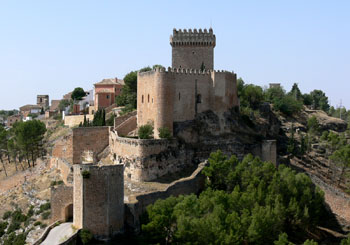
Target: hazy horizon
53	47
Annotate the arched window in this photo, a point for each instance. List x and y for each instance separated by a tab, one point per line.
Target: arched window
199	98
142	99
148	98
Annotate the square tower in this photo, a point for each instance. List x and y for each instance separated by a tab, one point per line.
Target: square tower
193	49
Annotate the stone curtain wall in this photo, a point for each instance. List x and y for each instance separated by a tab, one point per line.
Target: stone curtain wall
63	149
61	197
65	169
99	199
75	120
136	205
147	160
94	139
127	126
119	120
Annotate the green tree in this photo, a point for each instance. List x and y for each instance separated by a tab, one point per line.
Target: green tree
77	94
252	96
274	94
29	136
312	125
63	104
342	158
288	105
319	100
295	92
3	146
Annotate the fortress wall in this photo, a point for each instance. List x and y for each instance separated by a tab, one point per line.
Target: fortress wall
120	119
94	139
147	160
101	199
61	197
137	204
64	167
63	148
224	93
75	120
127	126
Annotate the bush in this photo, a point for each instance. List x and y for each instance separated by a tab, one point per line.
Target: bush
85	174
43	226
164	133
30	211
7	215
86	236
37	223
288	105
313	125
46	215
145	131
44	207
18	216
15	225
3	226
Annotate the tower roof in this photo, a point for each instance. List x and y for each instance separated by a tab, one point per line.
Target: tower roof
192	38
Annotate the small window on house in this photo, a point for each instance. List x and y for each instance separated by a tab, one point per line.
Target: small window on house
148	98
152	100
142	99
199	98
107	96
179	96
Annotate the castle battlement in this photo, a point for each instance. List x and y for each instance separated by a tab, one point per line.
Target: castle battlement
183	71
192	38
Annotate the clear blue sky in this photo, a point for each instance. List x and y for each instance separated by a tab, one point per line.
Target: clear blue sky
51	47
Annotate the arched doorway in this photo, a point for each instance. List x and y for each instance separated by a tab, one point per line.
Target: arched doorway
68	212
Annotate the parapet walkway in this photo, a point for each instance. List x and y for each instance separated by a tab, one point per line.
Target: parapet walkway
59	234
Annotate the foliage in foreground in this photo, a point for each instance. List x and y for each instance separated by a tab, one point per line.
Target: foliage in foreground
243	203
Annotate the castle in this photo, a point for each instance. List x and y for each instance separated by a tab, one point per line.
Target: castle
190	87
173	98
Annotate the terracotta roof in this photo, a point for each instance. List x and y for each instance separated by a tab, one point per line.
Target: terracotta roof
111	81
28	107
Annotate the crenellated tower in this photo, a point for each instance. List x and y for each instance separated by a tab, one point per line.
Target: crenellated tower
193	49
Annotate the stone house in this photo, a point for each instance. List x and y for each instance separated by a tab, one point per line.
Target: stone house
106	91
30	109
12	119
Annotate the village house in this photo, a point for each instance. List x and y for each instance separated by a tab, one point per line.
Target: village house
106	91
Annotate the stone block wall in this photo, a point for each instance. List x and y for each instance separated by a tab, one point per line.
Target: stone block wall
61	198
127	126
75	120
94	139
63	149
137	204
99	199
147	160
65	168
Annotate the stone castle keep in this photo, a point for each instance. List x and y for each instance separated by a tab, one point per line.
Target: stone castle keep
190	87
195	102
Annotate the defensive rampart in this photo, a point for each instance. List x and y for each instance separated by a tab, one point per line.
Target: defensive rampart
75	120
136	205
148	159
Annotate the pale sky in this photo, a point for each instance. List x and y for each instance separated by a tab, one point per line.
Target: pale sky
51	47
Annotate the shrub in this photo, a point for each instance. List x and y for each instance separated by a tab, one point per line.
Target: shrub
18	216
3	226
145	131
44	207
43	226
46	215
30	211
86	236
164	133
15	225
37	223
85	174
53	183
288	105
7	215
312	125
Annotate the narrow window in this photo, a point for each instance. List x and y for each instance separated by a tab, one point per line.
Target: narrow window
148	98
142	99
179	96
107	96
199	98
152	100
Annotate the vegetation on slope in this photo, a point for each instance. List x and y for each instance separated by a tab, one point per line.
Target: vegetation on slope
245	202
